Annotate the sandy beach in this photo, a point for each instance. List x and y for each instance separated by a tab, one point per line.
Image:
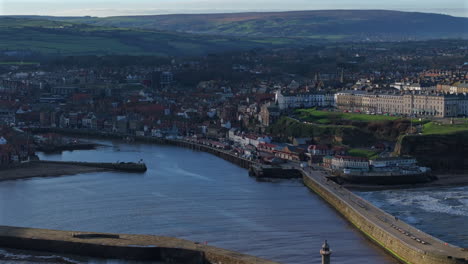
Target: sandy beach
44	170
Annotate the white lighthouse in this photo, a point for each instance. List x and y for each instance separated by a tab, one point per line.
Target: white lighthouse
325	252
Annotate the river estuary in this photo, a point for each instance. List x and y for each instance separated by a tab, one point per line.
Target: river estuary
190	195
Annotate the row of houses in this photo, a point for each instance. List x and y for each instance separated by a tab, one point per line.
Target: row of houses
420	104
15	147
340	163
287	100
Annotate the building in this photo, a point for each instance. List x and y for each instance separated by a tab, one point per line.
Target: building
303	100
320	150
269	114
166	80
291	153
64	90
392	162
7	116
415	104
348	162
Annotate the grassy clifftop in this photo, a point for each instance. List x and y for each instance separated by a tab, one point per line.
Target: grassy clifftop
378	126
433	128
341	134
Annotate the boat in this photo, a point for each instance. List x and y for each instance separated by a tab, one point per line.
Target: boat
130	166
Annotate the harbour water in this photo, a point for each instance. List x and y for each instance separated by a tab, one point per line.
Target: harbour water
441	212
190	195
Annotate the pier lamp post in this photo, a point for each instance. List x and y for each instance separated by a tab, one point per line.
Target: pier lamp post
325	252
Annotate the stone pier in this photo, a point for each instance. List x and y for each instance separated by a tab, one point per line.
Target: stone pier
121	246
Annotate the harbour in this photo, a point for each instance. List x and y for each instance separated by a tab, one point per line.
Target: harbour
227	208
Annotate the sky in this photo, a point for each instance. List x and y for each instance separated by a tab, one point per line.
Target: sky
104	8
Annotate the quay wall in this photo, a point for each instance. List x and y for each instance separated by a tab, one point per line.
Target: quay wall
274	172
121	246
380	234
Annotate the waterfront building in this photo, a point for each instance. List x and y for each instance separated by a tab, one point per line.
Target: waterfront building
392	162
291	153
349	162
247	139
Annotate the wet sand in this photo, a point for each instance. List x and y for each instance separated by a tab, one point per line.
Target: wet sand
33	170
444	180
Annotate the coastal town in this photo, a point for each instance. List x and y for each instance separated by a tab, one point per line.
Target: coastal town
221	132
250	112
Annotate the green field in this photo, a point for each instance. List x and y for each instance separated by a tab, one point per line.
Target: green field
366	153
65	38
433	128
327	117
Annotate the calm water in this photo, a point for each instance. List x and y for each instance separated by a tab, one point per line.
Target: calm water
190	195
441	212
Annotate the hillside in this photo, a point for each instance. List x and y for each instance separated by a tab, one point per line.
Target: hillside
324	24
70	38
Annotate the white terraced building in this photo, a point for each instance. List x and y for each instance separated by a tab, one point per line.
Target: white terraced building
419	104
303	100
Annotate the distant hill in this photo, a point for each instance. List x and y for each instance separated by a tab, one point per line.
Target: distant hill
324	24
193	34
54	37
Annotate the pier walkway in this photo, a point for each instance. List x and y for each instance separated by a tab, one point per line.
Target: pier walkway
402	240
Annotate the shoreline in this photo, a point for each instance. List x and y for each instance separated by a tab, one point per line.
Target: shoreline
443	180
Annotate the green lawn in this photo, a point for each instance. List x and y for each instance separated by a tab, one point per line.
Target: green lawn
432	128
326	117
366	153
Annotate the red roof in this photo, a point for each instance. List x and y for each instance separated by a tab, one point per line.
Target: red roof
267	145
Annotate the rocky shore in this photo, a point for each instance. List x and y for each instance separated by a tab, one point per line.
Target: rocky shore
35	169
